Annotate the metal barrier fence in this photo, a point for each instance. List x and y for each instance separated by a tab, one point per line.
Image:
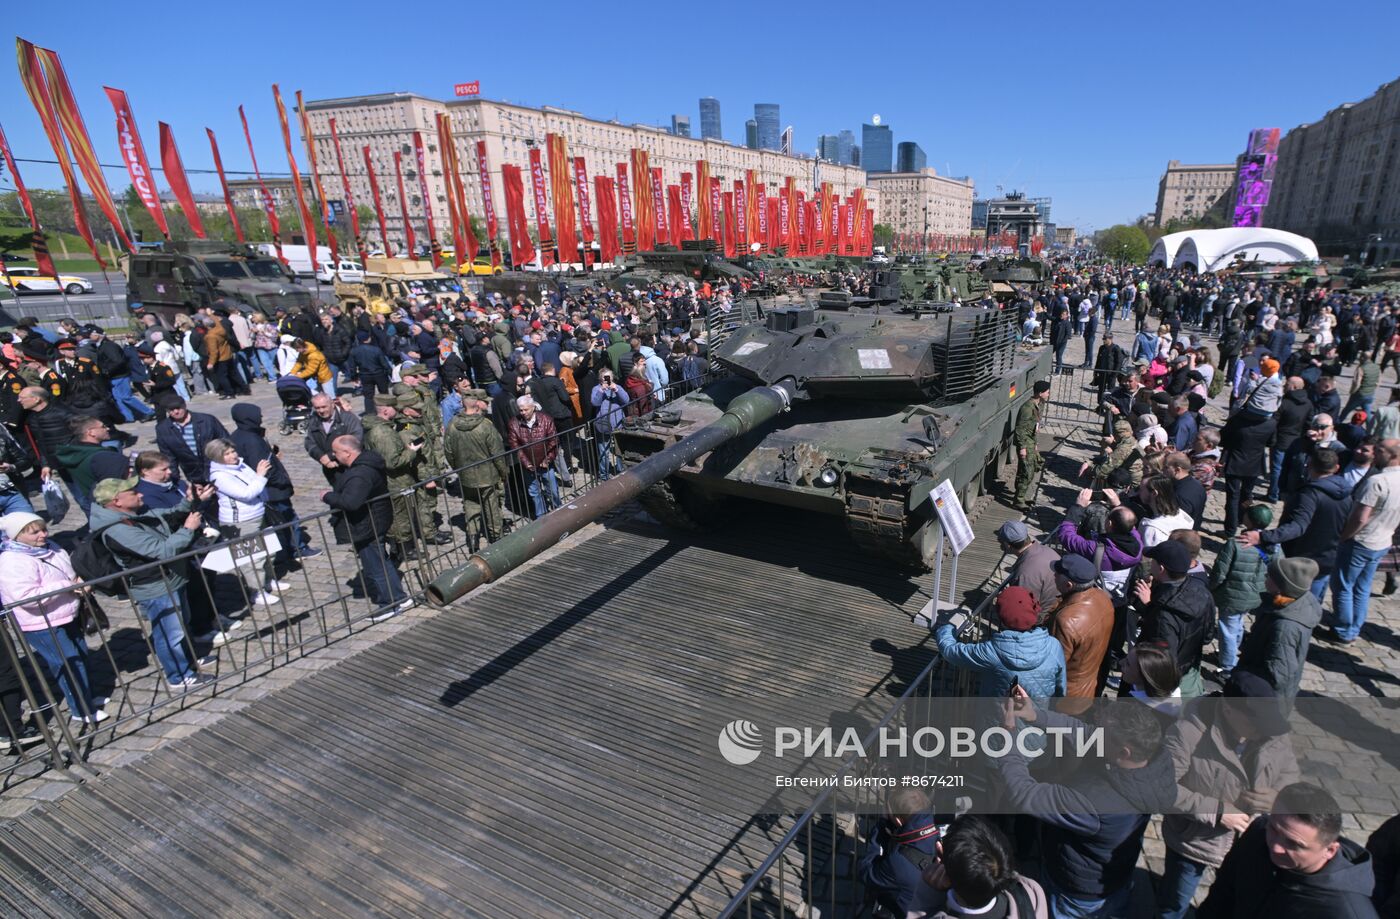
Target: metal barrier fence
229	609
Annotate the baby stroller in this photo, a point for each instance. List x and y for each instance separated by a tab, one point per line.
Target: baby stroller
296	404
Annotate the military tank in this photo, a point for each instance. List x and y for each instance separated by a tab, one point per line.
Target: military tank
1007	276
856	415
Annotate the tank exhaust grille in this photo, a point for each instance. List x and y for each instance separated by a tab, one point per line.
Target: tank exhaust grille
979	348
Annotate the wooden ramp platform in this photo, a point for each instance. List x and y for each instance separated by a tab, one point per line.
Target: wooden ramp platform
515	756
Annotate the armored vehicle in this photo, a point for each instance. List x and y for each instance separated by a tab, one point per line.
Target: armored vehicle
940	281
1008	275
697	264
855	415
389	282
185	275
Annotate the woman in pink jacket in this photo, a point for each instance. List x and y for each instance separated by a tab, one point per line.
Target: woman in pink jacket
31	566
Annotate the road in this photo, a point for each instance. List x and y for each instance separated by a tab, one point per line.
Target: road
106	301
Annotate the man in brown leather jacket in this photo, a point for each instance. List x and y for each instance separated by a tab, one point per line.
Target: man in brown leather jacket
1082	622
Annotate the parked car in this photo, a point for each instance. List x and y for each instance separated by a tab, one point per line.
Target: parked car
481	265
351	272
25	280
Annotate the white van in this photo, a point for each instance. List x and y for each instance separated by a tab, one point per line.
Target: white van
298	257
350	272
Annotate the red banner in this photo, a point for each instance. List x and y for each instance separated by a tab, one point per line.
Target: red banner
434	244
775	226
541	208
349	197
644	206
707	218
740	216
801	209
223	184
71	118
378	203
585	216
818	221
522	252
686	228
488	203
269	207
409	235
624	200
716	199
675	216
316	181
790	225
308	226
728	212
658	205
179	184
560	188
607	217
134	156
32	76
761	204
784	236
460	191
860	226
454	215
752	234
40	245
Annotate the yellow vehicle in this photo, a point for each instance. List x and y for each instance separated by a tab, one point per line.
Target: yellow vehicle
481	265
389	282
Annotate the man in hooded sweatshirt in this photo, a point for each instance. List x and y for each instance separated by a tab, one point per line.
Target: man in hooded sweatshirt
250	438
1294	863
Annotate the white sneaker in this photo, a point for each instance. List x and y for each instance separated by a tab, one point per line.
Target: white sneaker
263	598
220	639
392	611
277	587
229	624
96	717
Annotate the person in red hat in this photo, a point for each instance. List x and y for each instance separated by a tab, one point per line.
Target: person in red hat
1022	650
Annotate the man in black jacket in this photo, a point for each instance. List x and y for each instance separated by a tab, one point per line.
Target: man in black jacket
326	424
1245	439
335	342
1178	610
553	399
183	435
111	360
1294	863
1313	518
370	367
1293	414
362	495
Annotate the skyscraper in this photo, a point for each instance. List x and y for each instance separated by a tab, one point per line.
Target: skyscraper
751	134
910	157
829	148
785	141
765	114
877	147
709	119
680	125
855	155
845	144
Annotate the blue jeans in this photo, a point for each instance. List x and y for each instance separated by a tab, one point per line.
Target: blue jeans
328	387
1180	879
1065	906
1354	403
1231	632
1060	357
14	502
543	489
1351	587
266	360
380	576
607	466
64	654
291	536
167	614
335	377
1275	472
131	407
1319	586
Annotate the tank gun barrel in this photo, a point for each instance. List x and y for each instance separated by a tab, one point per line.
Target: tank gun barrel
744	414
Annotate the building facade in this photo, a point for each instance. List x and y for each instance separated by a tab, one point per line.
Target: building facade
829	148
923	202
680	125
386	123
1014	214
910	157
765	115
709	119
1064	236
847	153
1337	181
979	213
1187	192
877	148
245	192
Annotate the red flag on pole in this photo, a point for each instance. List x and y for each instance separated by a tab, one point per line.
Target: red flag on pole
741	217
316	181
378	204
403	207
455	216
537	184
624	200
585	217
707	218
687	231
434	244
658	206
561	183
488	204
729	217
39	243
642	202
761	207
308	226
349	197
675	217
179	184
71	119
603	195
522	252
714	194
32	76
223	183
268	207
134	155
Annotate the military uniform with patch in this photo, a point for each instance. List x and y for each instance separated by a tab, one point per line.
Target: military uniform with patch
383	437
421	503
1028	467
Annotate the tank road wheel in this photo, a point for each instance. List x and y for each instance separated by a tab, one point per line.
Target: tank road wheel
676	505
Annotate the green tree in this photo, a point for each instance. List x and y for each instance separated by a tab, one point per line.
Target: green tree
1124	243
883	235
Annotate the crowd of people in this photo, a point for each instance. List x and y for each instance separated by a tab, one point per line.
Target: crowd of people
1119	601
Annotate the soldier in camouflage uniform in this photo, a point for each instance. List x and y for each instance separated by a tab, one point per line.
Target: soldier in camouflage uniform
414	378
474	447
414	425
382	435
1029	462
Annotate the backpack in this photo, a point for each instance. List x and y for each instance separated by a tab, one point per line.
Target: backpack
1217	384
93	561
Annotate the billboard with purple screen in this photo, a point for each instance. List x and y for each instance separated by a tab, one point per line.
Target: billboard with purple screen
1255	176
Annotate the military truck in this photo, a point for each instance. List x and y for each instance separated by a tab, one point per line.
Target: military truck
184	275
389	282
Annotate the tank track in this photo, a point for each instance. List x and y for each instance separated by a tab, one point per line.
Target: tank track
891	543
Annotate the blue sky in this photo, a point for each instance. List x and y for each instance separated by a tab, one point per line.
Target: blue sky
1084	102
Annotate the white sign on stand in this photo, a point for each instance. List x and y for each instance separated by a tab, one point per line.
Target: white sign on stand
955	527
